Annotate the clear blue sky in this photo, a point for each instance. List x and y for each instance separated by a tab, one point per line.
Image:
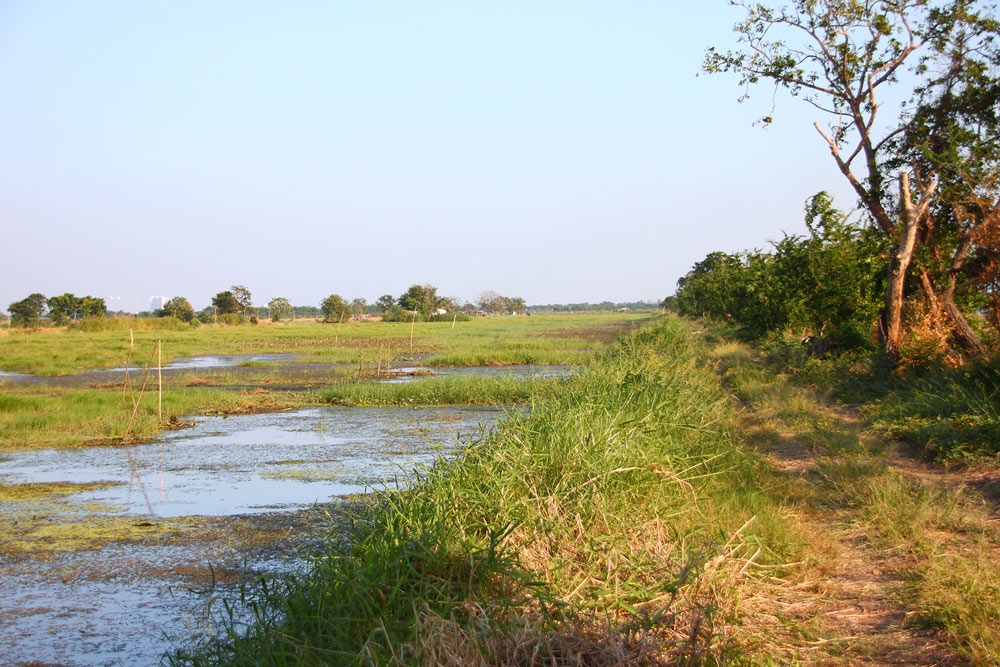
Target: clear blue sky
558	151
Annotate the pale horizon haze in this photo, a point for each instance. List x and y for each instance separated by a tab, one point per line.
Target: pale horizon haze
556	151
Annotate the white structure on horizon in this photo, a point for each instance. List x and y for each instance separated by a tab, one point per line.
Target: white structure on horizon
156	302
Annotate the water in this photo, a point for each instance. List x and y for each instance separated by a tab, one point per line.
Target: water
219	487
214	361
259	462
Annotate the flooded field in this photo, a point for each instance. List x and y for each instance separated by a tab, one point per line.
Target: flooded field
103	576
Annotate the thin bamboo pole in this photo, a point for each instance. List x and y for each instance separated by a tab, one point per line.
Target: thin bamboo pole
361	361
454	319
388	352
135	409
126	384
336	339
412	321
159	380
378	362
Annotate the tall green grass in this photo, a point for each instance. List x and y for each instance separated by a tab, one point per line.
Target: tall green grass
593	531
440	391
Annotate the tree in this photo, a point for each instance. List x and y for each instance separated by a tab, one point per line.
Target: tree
279	307
840	56
178	307
422	298
491	302
93	307
358	306
954	132
28	311
63	308
335	308
225	303
243	298
385	303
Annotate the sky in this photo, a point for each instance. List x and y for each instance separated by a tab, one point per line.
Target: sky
557	151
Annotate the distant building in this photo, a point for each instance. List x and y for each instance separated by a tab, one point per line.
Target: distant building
156	302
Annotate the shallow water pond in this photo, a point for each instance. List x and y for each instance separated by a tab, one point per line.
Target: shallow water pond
229	491
250	463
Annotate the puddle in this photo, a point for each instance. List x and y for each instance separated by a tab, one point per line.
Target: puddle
517	372
234	490
211	361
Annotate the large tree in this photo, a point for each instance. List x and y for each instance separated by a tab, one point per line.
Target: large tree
422	298
335	308
243	297
178	307
226	302
845	58
64	308
279	307
28	311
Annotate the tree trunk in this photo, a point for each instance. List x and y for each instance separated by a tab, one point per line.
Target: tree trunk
891	319
942	301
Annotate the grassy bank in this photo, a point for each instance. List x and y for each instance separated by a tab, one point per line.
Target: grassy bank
923	524
613	523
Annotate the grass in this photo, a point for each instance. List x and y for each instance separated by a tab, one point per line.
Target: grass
440	391
38	490
937	533
549	338
89	410
613	523
79	416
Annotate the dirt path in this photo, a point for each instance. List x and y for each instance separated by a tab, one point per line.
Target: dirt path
848	610
851	599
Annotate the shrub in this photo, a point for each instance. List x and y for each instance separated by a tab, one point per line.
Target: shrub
449	317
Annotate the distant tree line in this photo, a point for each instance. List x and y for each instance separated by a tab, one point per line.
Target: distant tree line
593	307
235	306
30	311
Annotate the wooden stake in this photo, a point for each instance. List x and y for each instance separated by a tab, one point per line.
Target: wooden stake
336	339
454	319
125	382
388	352
378	362
412	320
159	380
135	409
361	362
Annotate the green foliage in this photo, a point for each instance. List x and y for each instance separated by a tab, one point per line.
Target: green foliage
178	307
421	298
599	499
169	323
449	317
335	308
386	303
826	286
226	303
243	297
232	319
279	308
28	311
